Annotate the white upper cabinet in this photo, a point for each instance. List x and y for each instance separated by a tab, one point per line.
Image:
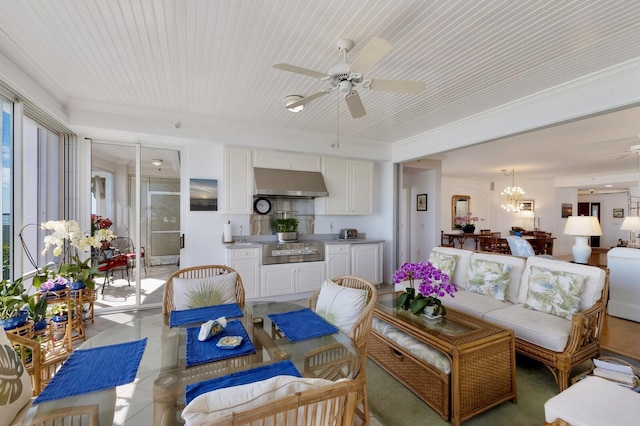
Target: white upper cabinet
350	186
238	194
287	161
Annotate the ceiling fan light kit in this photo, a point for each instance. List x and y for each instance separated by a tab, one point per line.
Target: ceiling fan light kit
346	78
292	103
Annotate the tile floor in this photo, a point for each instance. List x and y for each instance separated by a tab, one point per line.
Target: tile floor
129	410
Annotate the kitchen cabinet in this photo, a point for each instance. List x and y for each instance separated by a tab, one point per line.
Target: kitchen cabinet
290	278
238	185
366	261
246	261
350	187
287	161
338	260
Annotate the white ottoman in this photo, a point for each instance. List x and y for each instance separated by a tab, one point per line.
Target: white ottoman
594	401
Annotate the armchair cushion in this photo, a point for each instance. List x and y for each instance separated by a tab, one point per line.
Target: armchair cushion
341	306
223	402
15	389
189	293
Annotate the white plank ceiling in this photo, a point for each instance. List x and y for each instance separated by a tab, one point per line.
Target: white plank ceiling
213	58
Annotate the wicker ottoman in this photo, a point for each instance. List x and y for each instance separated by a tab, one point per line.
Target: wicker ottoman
594	401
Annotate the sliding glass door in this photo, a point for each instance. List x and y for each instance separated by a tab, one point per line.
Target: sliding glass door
138	189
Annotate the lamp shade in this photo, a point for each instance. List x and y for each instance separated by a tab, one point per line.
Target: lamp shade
630	223
582	226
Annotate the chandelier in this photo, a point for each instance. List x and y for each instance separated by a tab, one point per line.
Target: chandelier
512	195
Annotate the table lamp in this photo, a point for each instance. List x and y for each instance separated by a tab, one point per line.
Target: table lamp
631	224
582	227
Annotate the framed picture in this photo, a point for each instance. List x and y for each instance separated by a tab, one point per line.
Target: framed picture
528	205
422	202
203	194
618	213
567	210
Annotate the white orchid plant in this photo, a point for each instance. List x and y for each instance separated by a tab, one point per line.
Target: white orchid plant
66	240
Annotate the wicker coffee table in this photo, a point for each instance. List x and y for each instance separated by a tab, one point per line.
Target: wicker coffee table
482	356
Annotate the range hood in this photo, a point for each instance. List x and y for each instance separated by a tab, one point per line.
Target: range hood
289	183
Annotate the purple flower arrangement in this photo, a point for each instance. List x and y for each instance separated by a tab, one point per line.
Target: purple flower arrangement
433	284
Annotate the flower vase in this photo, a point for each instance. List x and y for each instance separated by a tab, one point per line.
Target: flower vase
469	229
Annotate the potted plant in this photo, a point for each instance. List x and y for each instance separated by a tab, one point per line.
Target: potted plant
12	301
37	308
287	229
60	312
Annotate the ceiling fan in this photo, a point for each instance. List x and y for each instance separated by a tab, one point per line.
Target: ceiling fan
345	77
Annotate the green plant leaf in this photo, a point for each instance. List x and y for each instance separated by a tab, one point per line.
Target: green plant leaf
418	305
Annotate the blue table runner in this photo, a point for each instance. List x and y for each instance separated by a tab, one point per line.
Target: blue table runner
281	368
198	352
302	325
204	314
94	369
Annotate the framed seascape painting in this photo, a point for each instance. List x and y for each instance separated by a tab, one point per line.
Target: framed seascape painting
528	205
422	202
203	194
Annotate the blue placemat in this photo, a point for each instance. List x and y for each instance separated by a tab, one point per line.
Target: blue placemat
89	370
198	352
302	325
204	314
281	368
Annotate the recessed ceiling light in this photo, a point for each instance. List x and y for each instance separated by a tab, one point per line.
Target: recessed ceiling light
156	162
608	186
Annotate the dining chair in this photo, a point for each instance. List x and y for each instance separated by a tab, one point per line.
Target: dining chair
442	243
359	332
197	275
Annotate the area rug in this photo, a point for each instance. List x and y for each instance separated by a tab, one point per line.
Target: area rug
392	404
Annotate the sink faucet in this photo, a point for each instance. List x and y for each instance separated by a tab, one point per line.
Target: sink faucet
241	238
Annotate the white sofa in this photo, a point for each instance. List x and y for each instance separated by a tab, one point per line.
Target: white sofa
624	297
559	342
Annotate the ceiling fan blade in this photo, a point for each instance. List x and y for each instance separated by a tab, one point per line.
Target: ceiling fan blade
299	70
401	86
375	50
307	99
355	104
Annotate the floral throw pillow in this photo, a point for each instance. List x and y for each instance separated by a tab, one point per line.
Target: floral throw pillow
445	262
341	306
189	293
489	278
554	292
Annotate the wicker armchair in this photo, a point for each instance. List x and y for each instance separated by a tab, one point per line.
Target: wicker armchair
199	272
331	405
359	333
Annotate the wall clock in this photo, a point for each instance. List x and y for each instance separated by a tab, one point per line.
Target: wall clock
262	205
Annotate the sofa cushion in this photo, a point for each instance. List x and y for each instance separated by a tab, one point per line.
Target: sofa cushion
473	303
445	262
189	293
220	403
517	268
548	331
16	383
595	279
421	350
341	306
554	292
489	278
459	276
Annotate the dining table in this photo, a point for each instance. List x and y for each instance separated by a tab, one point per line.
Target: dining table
168	371
461	237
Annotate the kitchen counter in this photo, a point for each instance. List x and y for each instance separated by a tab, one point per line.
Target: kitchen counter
354	241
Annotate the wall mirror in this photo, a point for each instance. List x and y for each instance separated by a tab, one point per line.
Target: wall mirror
460	206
